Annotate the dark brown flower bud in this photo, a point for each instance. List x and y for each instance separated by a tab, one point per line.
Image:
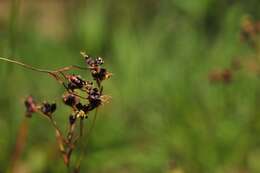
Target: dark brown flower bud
70	99
90	61
100	74
94	62
72	119
84	108
48	108
75	82
30	105
94	98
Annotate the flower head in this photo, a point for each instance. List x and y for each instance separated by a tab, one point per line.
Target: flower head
48	108
30	106
70	99
75	82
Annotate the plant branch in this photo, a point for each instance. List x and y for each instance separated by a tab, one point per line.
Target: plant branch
63	69
82	153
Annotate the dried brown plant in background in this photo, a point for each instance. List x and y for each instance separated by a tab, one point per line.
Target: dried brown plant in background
250	36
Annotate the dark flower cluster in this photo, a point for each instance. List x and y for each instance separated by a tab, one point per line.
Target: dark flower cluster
94	98
75	82
98	73
83	96
32	106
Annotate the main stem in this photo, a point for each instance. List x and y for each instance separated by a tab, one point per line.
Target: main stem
43	70
25	65
82	153
53	73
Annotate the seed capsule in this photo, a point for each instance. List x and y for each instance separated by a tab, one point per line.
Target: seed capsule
94	98
84	108
72	119
100	74
70	99
90	62
75	82
48	108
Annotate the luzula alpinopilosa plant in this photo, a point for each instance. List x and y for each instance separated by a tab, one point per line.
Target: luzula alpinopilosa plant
83	96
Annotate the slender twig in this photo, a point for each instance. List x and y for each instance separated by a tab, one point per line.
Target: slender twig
60	139
53	73
81	127
25	65
92	125
77	169
43	70
70	68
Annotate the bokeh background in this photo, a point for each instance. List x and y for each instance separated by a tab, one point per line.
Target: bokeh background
165	116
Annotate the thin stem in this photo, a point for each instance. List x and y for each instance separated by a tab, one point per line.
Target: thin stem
86	143
54	124
61	141
73	93
53	73
70	68
70	132
81	127
93	123
25	65
43	70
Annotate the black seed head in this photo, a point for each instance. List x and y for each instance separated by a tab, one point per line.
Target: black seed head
100	74
75	82
90	61
70	99
81	107
94	98
48	108
72	119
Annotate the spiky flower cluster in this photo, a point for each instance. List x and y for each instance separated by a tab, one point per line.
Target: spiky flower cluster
32	106
83	96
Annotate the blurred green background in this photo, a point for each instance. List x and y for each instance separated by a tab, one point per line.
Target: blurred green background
165	116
